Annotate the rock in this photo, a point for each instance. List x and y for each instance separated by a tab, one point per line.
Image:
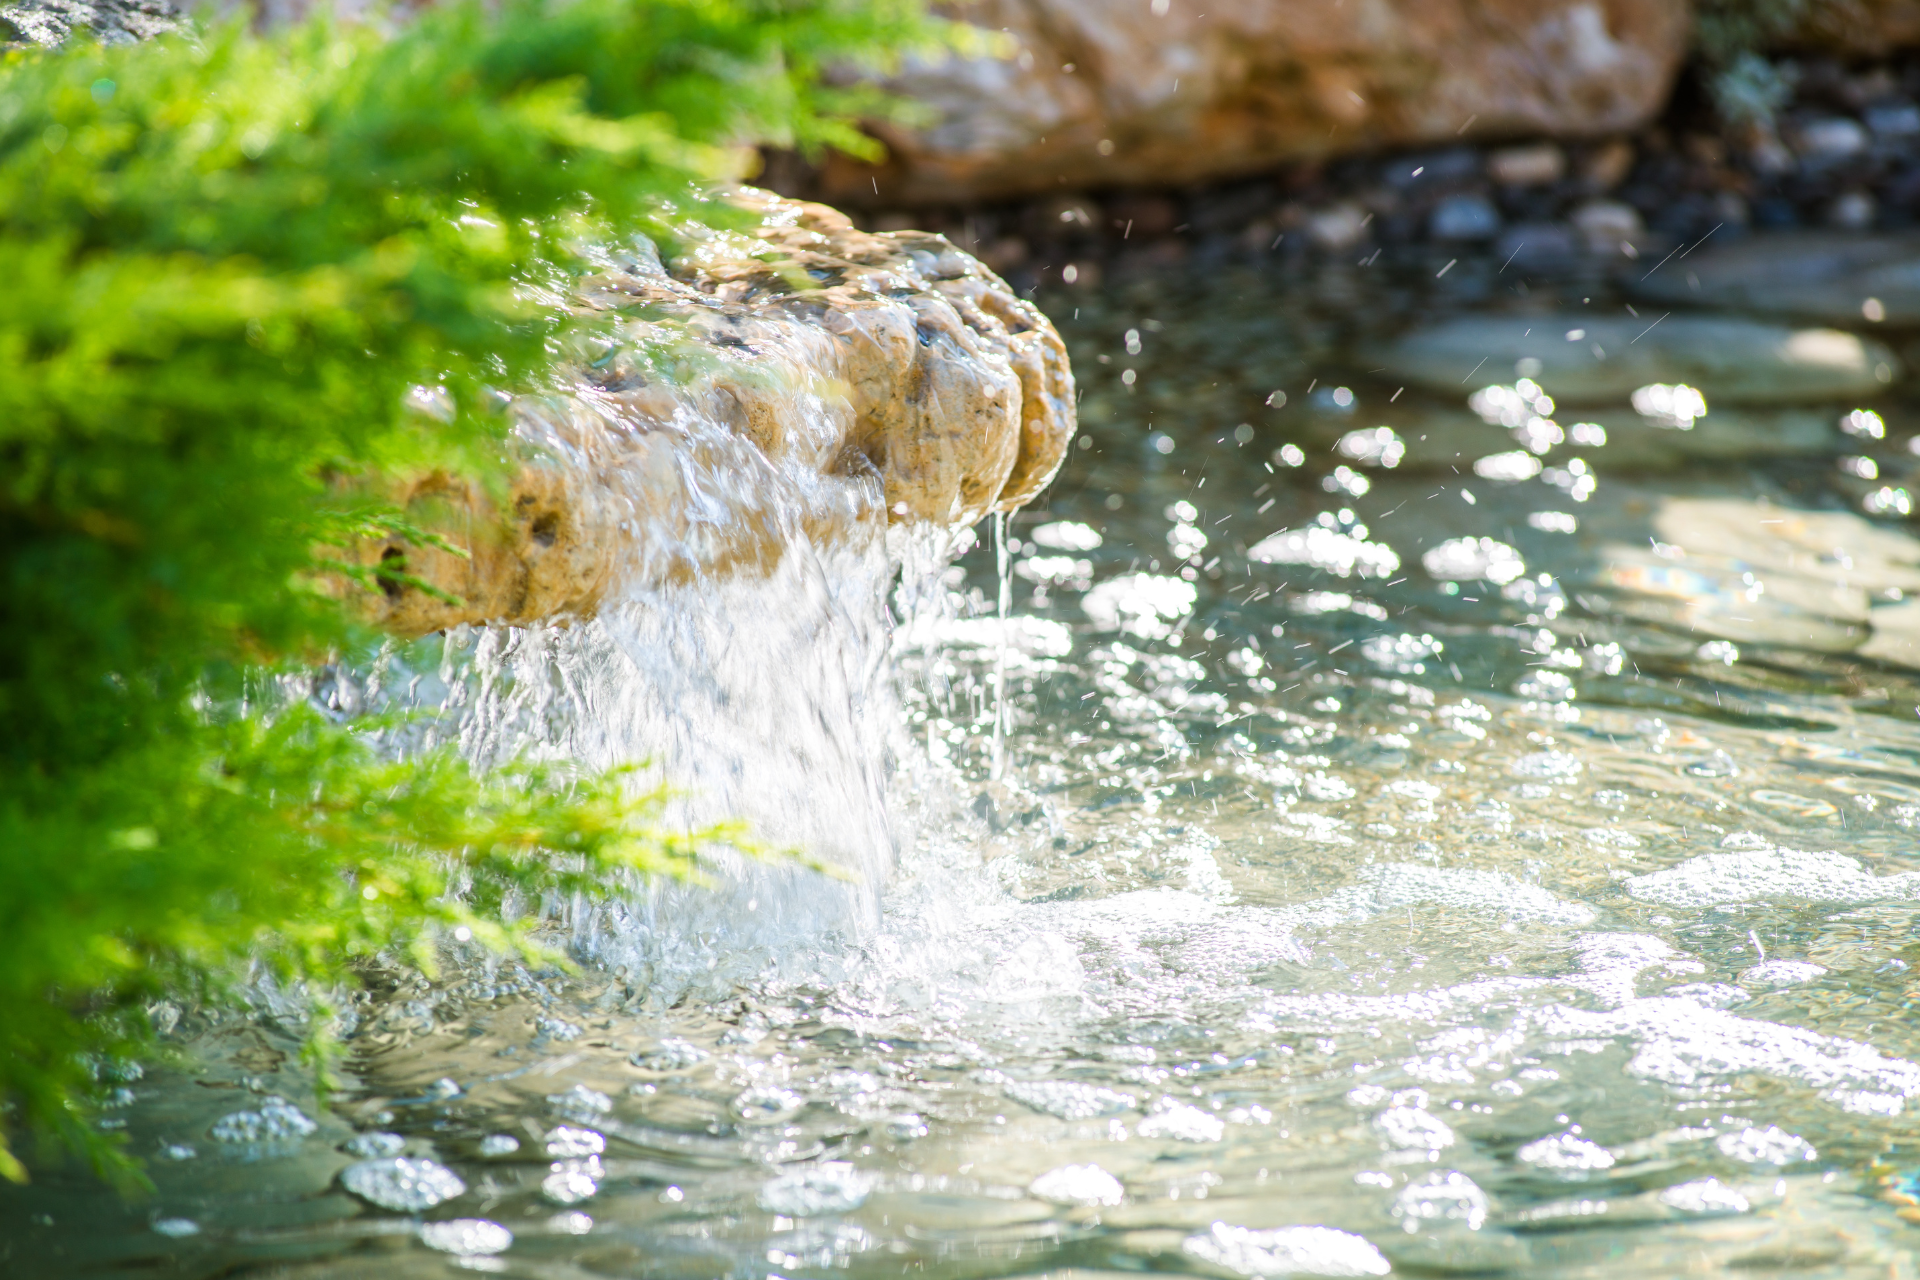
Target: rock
51	22
1815	275
1606	225
1584	359
806	381
1537	165
1608	165
1340	227
1861	28
1533	246
1465	217
1099	95
1852	211
1821	143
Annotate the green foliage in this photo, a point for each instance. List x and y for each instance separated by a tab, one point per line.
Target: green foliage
1733	37
226	261
1726	30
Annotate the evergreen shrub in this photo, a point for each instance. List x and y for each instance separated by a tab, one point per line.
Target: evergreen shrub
225	260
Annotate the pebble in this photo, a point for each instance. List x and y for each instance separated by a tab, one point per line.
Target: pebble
1464	217
1825	142
1536	165
1606	225
1582	358
468	1237
403	1184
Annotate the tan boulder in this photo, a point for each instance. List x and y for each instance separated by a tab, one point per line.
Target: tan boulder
1862	28
803	380
1159	92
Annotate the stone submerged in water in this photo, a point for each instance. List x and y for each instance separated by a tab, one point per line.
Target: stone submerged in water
1581	358
889	377
1824	276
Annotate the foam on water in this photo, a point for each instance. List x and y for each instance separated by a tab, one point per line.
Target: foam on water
1284	1251
401	1183
1771	874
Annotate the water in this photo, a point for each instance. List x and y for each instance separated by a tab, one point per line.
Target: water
1294	880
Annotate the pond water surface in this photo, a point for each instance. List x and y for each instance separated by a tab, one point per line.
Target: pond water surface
1383	869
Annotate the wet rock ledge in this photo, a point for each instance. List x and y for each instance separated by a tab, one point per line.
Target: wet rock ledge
801	379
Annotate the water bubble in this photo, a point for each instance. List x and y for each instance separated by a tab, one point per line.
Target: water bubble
1069	1099
1285	1251
1864	423
767	1104
1769	1146
1182	1122
568	1140
277	1120
1465	559
176	1228
1566	1153
1342	554
499	1144
442	1089
1289	455
374	1144
834	1187
1140	604
1507	468
906	1126
1441	1198
1061	535
581	1101
670	1054
1348	481
1673	406
1413	1129
1708	1195
572	1181
1888	501
1769	975
1717	765
1405	654
403	1184
468	1237
1374	446
1078	1184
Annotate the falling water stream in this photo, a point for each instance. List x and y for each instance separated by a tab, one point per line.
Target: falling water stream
1254	869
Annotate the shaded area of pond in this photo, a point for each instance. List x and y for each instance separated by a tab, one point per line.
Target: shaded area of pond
1458	866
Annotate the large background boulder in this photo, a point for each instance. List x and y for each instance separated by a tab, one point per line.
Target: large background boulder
1162	92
